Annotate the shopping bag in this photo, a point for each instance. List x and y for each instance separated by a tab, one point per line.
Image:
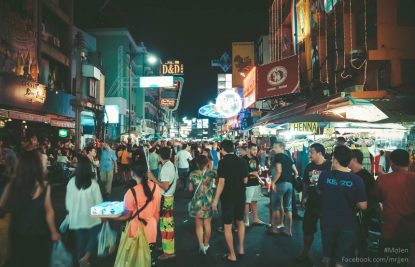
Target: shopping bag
133	252
4	237
64	225
60	257
107	239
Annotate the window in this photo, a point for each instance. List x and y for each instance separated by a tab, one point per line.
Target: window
93	88
406	17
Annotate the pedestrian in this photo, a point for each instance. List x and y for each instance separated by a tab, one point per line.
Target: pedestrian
342	194
233	176
396	192
108	167
91	153
124	159
201	183
32	225
153	161
82	193
142	206
208	153
365	217
215	155
167	182
311	200
282	190
183	159
253	189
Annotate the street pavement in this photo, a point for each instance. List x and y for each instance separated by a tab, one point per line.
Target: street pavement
261	249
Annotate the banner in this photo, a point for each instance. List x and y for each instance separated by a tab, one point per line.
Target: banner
278	78
303	19
250	88
243	57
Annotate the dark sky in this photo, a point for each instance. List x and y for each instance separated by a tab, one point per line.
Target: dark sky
193	31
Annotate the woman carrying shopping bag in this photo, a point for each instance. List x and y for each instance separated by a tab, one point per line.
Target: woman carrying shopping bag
82	192
142	208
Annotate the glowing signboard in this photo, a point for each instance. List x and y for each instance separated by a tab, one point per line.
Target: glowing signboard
228	103
210	111
250	88
112	113
172	67
156	81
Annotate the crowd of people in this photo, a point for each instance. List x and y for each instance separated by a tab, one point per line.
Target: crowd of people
338	191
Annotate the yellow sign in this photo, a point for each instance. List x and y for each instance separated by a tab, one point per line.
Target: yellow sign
243	57
172	67
304	127
328	132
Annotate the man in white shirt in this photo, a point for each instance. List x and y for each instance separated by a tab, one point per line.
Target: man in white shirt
167	183
183	159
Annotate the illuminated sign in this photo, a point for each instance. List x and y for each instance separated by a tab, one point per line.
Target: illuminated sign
167	103
225	62
210	111
228	103
156	81
63	133
304	127
172	67
250	88
35	92
112	114
170	97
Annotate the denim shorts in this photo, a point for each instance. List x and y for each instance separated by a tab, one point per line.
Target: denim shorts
282	196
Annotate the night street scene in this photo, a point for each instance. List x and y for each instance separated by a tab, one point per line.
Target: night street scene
252	133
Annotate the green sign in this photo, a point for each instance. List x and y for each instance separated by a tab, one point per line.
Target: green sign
63	133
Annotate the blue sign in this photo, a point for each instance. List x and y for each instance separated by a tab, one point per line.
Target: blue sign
224	62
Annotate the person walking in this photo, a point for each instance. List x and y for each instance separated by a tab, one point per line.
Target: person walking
282	190
364	218
124	159
153	161
167	182
342	193
233	176
311	200
108	167
142	205
201	183
32	225
82	193
215	155
91	153
395	191
252	190
183	159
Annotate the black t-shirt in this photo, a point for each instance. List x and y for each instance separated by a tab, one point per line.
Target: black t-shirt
369	182
253	166
311	175
233	170
286	167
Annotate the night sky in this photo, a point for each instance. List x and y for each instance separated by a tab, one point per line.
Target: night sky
192	31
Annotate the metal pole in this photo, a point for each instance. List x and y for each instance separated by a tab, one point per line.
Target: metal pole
78	90
129	97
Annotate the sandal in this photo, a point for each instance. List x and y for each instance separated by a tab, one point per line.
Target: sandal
225	258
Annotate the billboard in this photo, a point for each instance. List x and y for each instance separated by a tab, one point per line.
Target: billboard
112	114
243	57
250	88
172	67
170	96
278	78
156	81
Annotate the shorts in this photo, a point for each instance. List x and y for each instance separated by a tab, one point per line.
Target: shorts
232	210
124	167
283	196
311	217
338	244
252	193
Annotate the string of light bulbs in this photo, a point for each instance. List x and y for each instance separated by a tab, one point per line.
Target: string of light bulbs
343	75
335	48
364	63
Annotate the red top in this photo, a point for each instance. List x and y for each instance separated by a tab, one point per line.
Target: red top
396	191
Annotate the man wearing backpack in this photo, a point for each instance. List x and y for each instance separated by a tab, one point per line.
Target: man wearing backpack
167	182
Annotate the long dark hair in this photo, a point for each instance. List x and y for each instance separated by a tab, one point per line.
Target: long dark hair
140	170
84	173
29	171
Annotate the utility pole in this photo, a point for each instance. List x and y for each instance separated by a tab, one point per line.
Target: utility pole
77	104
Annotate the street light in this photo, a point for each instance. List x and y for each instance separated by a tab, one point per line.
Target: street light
151	59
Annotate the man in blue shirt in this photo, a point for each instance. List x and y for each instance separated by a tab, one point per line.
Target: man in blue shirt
343	193
108	164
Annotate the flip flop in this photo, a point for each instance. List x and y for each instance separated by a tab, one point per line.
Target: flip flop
225	258
258	223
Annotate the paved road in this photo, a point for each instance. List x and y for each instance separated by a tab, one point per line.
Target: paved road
261	249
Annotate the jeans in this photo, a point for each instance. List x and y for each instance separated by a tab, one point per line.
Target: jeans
106	179
282	196
86	240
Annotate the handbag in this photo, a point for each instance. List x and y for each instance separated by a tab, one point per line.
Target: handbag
133	251
189	205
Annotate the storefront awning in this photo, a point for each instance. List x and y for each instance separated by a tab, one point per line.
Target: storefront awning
398	109
295	109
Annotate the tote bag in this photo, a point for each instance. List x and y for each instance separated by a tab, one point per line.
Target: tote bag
133	252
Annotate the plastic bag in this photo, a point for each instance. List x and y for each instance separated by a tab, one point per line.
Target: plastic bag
107	239
60	257
64	225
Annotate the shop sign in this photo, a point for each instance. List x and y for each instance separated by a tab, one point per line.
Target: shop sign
229	104
63	124
170	96
304	127
63	133
167	103
278	78
328	132
250	88
172	67
243	57
28	117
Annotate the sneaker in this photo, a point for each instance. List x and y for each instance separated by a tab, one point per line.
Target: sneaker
202	250
206	248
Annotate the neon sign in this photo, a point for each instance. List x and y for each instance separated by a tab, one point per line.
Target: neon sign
228	104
